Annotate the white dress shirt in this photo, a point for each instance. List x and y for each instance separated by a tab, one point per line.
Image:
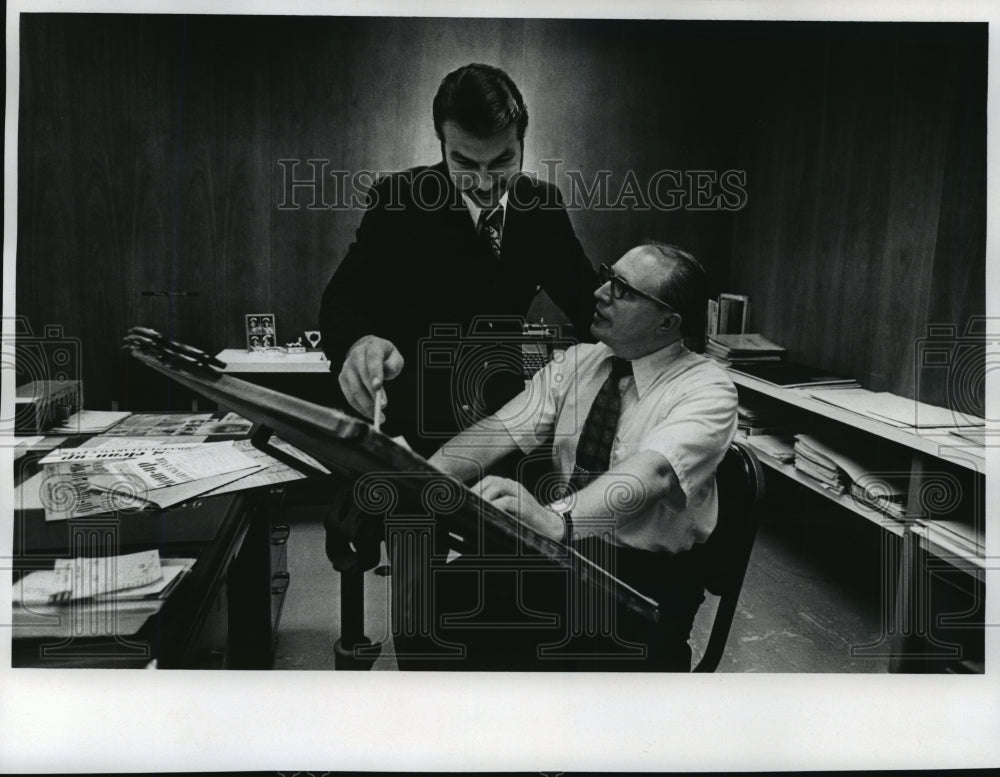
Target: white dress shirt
679	404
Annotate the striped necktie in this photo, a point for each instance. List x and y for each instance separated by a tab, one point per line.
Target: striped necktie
593	451
490	229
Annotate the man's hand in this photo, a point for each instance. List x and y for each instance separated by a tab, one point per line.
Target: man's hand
370	362
511	497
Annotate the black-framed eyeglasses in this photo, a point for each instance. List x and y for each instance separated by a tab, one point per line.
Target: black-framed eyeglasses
619	286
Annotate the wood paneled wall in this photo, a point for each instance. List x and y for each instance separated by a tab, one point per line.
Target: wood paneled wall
150	185
865	147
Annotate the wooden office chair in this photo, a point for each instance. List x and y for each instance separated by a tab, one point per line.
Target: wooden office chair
726	553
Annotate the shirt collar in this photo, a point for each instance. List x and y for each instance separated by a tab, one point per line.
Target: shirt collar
475	210
646	370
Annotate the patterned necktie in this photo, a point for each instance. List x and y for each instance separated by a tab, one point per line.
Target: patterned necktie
490	230
593	452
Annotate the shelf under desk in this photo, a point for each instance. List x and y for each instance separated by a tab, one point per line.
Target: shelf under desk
222	614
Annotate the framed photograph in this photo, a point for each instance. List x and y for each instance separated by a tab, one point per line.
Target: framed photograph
260	331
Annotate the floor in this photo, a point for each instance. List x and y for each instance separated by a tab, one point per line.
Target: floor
812	599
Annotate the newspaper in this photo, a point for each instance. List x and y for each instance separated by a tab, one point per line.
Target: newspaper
180	425
87	481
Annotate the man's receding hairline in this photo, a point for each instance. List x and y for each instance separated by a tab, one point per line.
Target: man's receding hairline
666	262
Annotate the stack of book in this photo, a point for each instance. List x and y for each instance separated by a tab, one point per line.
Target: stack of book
742	349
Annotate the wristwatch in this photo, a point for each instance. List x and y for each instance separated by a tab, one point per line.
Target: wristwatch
561	506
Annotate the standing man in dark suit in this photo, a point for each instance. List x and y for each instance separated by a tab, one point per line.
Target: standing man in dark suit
439	247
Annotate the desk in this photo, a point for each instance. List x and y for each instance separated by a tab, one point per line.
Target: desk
223	614
943	532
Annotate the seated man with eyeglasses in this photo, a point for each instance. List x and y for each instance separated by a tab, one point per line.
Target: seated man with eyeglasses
640	424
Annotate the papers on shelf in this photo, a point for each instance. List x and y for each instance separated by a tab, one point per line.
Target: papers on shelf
779	447
84	578
896	410
791	375
891	501
763	417
89	422
813	461
877	478
95	597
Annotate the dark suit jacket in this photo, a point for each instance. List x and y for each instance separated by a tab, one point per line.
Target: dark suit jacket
417	268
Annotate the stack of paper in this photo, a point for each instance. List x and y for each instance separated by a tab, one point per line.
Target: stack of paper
897	410
95	597
791	375
887	496
123	477
778	447
878	476
89	422
817	465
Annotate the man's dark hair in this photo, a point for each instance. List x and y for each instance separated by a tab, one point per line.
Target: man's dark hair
480	99
684	288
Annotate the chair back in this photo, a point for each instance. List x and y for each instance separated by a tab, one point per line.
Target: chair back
726	553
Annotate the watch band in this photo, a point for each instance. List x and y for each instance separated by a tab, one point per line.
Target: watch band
567	537
562	506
